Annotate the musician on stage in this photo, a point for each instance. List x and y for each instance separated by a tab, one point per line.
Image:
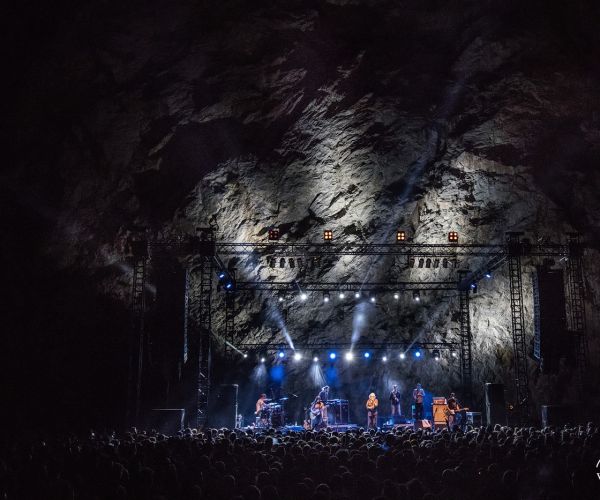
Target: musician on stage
324	396
261	413
395	402
372	404
316	413
418	396
454	411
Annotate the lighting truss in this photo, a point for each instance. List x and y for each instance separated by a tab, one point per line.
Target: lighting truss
381	346
320	286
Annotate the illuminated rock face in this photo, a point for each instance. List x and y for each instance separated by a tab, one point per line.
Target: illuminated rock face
361	120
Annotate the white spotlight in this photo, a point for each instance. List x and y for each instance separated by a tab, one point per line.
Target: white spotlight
396	296
280	299
349	356
326	297
372	299
303	296
297	356
342	295
454	354
357	295
402	355
315	359
245	355
262	360
384	359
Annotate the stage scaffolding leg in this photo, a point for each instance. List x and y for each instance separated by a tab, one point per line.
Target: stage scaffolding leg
199	316
229	318
466	353
139	250
515	250
576	305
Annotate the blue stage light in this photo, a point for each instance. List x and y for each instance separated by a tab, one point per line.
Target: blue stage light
229	285
367	355
281	354
417	354
221	275
488	274
332	355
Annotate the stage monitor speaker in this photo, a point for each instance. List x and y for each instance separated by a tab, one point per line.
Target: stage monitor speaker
495	406
549	317
222	406
422	424
166	420
553	415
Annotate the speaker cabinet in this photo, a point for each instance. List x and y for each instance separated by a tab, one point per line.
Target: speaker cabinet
495	406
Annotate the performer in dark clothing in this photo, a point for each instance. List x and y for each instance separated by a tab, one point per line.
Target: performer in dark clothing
395	402
316	414
324	396
455	415
418	396
372	404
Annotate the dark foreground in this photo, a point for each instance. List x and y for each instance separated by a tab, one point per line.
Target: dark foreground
490	463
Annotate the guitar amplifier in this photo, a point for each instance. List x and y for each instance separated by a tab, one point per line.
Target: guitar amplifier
439	413
338	411
439	401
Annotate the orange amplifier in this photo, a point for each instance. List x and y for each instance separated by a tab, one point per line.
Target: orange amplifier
439	401
438	410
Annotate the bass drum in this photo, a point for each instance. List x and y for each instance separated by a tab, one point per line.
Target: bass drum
276	416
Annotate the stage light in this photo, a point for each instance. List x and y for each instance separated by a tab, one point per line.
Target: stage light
396	296
474	287
453	237
229	285
417	354
342	295
454	354
417	296
245	355
401	236
326	297
402	355
281	354
280	299
222	275
488	274
367	355
384	359
316	359
436	354
262	360
297	356
274	233
332	355
372	299
357	295
349	356
328	235
303	296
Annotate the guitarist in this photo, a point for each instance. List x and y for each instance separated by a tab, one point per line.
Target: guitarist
418	396
454	411
395	402
316	413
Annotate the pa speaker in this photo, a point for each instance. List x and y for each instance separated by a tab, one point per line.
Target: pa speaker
495	406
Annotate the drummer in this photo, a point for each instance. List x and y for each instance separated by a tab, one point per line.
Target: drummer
262	417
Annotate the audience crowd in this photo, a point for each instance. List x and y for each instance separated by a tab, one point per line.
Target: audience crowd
488	463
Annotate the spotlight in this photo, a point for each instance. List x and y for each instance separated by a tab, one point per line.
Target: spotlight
229	285
297	356
349	356
453	237
325	296
280	299
488	274
436	354
303	296
384	359
342	295
332	355
222	275
417	354
274	233
245	355
372	299
328	235
417	296
402	355
281	354
401	236
357	295
262	360
315	359
474	287
454	354
396	296
367	355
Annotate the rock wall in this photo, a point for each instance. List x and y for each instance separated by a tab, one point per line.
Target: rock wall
361	117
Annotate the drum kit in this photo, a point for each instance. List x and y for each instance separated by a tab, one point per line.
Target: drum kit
272	414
